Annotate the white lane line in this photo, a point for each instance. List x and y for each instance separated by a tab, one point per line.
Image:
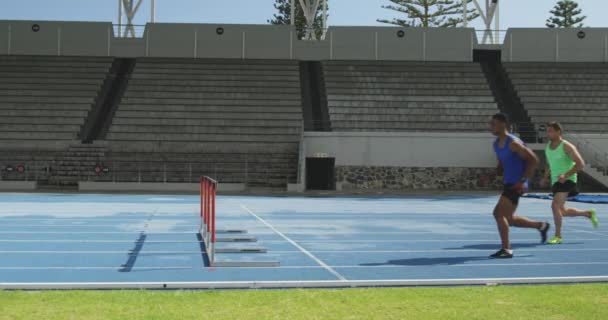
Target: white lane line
274	252
92	232
380	266
306	252
442	250
76	225
593	232
423	240
489	241
96	268
142	253
293	251
92	241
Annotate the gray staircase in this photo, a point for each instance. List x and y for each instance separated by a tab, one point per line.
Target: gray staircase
78	163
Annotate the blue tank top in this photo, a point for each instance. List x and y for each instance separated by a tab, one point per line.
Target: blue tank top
513	165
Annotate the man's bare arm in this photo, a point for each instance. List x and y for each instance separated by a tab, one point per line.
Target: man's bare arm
573	153
526	154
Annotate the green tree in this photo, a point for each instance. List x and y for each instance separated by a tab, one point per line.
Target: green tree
430	13
566	14
283	17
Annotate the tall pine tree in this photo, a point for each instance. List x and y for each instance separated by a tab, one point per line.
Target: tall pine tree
566	14
430	13
283	17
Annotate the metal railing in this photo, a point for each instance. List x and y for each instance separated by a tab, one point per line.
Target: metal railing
129	30
491	36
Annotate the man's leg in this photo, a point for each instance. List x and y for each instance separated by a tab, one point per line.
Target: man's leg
503	212
574	212
558	208
523	222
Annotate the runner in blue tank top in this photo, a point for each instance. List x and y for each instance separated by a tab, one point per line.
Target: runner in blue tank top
518	163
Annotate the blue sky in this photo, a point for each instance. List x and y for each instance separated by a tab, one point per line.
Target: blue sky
514	13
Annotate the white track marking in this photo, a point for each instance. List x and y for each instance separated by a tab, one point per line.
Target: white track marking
304	251
387	266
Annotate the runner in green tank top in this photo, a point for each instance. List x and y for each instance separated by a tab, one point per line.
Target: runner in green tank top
563	163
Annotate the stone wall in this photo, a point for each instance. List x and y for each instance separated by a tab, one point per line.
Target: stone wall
409	178
444	178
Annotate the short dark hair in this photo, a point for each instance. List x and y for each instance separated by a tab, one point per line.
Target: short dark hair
501	117
555	125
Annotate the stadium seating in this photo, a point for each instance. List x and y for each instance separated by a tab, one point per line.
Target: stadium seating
47	98
576	94
44	101
407	96
239	121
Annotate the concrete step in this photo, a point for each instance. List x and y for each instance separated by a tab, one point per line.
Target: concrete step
562	75
45	120
210	102
213	95
411	98
414	105
62	107
409	118
212	109
409	85
218	77
136	90
26	69
410	92
568	113
220	119
52	75
160	84
38	92
335	80
405	74
59	80
48	99
558	93
362	111
38	136
555	99
543	106
591	120
201	137
38	127
387	126
160	129
561	82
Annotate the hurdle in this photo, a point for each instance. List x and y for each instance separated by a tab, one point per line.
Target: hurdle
208	232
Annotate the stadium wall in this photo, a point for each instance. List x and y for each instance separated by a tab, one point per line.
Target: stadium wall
236	41
556	45
407	160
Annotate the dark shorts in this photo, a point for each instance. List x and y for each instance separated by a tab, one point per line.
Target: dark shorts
511	194
568	187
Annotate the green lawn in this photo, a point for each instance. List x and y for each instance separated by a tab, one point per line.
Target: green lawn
487	303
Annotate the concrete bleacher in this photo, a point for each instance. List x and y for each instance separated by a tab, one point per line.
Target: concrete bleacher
47	98
575	94
237	121
44	101
407	96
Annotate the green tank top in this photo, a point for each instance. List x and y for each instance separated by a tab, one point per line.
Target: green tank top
559	162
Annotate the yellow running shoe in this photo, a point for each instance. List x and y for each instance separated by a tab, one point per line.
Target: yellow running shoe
593	218
555	240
